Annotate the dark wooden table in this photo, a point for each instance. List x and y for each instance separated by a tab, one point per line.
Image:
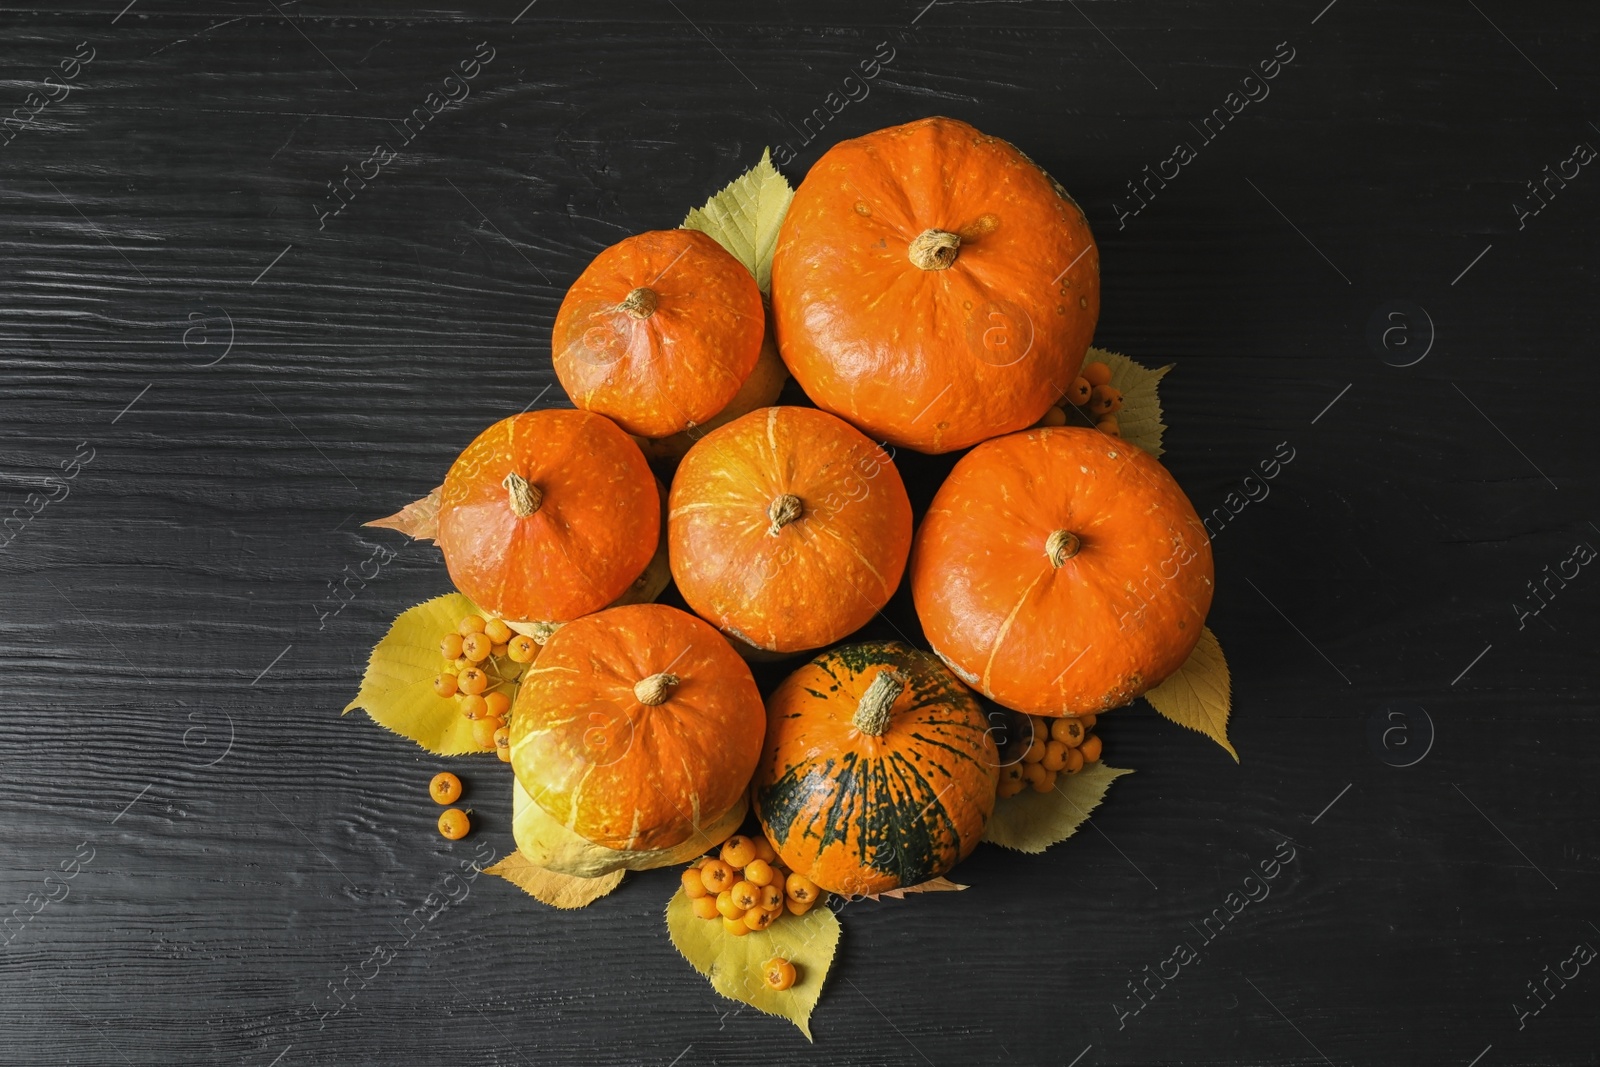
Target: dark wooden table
226	378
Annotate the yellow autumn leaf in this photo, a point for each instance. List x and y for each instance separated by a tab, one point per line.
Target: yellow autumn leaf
745	216
1200	694
932	885
1139	421
397	689
556	890
1032	822
418	520
734	963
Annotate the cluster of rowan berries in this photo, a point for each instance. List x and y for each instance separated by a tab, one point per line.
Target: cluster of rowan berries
483	660
1093	394
1050	747
748	888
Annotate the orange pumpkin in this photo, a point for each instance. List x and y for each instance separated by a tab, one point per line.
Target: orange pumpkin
1061	571
548	515
878	770
659	332
634	734
933	286
787	528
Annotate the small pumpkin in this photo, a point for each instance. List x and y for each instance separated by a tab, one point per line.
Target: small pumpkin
548	515
933	286
787	528
878	771
1061	572
634	734
659	332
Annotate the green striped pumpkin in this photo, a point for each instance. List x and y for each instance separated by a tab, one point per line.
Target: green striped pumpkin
879	770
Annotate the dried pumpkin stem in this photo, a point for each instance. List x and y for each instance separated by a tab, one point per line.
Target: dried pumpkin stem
525	496
934	249
1062	546
653	690
641	303
872	713
782	511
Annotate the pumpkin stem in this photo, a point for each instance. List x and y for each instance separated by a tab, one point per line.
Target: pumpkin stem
782	511
934	249
653	690
641	303
1062	546
872	713
525	496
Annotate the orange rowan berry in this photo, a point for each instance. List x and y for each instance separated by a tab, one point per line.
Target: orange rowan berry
758	872
445	685
1090	749
770	898
445	788
1035	750
472	681
1074	761
764	849
1055	756
498	703
1104	400
759	919
727	907
522	649
1088	721
474	707
706	907
1078	391
717	875
1034	773
450	646
1068	730
1046	784
738	850
799	887
476	647
779	973
745	895
503	752
497	631
1109	427
1053	417
454	824
1097	374
1011	782
484	729
796	907
693	887
736	927
472	624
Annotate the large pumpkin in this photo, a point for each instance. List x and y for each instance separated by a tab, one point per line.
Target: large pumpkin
1061	571
933	286
548	515
634	735
659	332
878	771
787	528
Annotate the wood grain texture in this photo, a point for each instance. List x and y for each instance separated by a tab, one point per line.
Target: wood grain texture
178	596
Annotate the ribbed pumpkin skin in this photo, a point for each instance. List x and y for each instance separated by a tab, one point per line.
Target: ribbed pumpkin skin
934	360
683	363
824	574
860	814
617	772
593	533
1110	622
